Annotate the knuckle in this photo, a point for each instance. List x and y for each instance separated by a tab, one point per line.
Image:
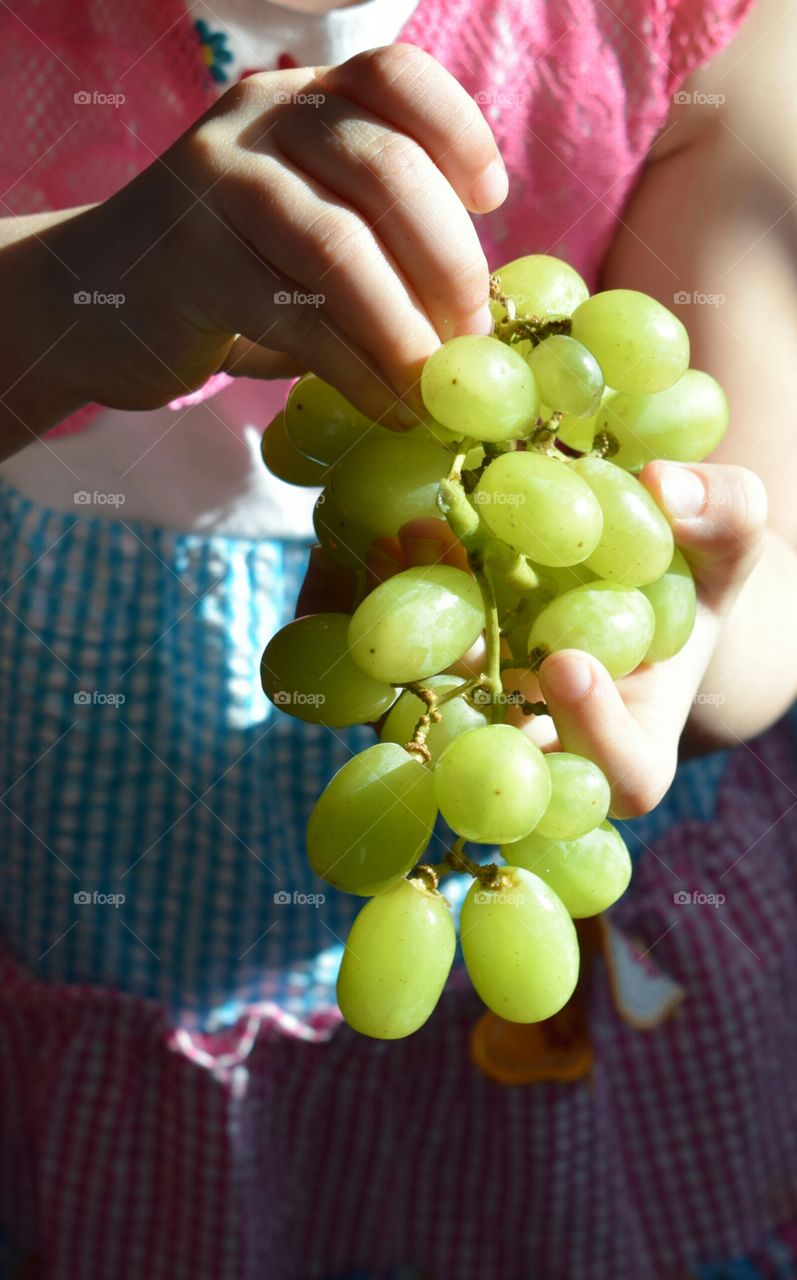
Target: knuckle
337	238
386	66
397	161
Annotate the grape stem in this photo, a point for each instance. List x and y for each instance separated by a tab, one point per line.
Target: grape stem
432	701
492	627
533	329
457	861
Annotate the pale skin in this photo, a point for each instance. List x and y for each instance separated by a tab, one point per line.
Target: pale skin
407	153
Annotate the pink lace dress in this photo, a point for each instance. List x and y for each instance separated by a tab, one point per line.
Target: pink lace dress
258	1138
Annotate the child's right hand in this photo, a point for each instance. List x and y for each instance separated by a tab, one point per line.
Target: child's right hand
349	182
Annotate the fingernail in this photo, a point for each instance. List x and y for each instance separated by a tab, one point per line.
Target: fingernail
480	322
491	187
568	679
683	491
424	551
404	415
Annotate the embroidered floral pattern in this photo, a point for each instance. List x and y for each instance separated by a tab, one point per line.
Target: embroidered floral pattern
215	53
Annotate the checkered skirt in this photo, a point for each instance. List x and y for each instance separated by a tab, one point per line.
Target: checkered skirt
177	1095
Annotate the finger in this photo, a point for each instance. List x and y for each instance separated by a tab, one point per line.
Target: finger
592	720
401	193
243	293
410	90
247	359
430	541
310	236
718	515
328	587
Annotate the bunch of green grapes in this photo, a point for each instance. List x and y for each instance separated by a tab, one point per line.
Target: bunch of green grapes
529	452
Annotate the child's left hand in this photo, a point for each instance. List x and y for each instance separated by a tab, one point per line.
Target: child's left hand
632	727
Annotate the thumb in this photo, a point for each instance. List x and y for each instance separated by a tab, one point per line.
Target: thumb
718	515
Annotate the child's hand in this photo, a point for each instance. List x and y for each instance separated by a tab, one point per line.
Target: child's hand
320	213
632	728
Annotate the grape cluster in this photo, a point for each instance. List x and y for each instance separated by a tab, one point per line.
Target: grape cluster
529	452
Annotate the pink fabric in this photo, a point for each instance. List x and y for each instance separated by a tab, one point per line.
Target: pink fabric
575	92
139	1150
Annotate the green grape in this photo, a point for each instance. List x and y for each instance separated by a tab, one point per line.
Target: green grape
306	670
674	602
684	423
492	784
342	538
480	388
564	578
580	797
540	285
416	624
520	946
321	422
390	478
588	873
580	433
398	955
440	433
284	460
456	717
636	545
373	821
638	343
613	623
568	376
540	507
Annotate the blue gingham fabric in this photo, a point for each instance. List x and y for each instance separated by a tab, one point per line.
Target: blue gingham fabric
152	802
